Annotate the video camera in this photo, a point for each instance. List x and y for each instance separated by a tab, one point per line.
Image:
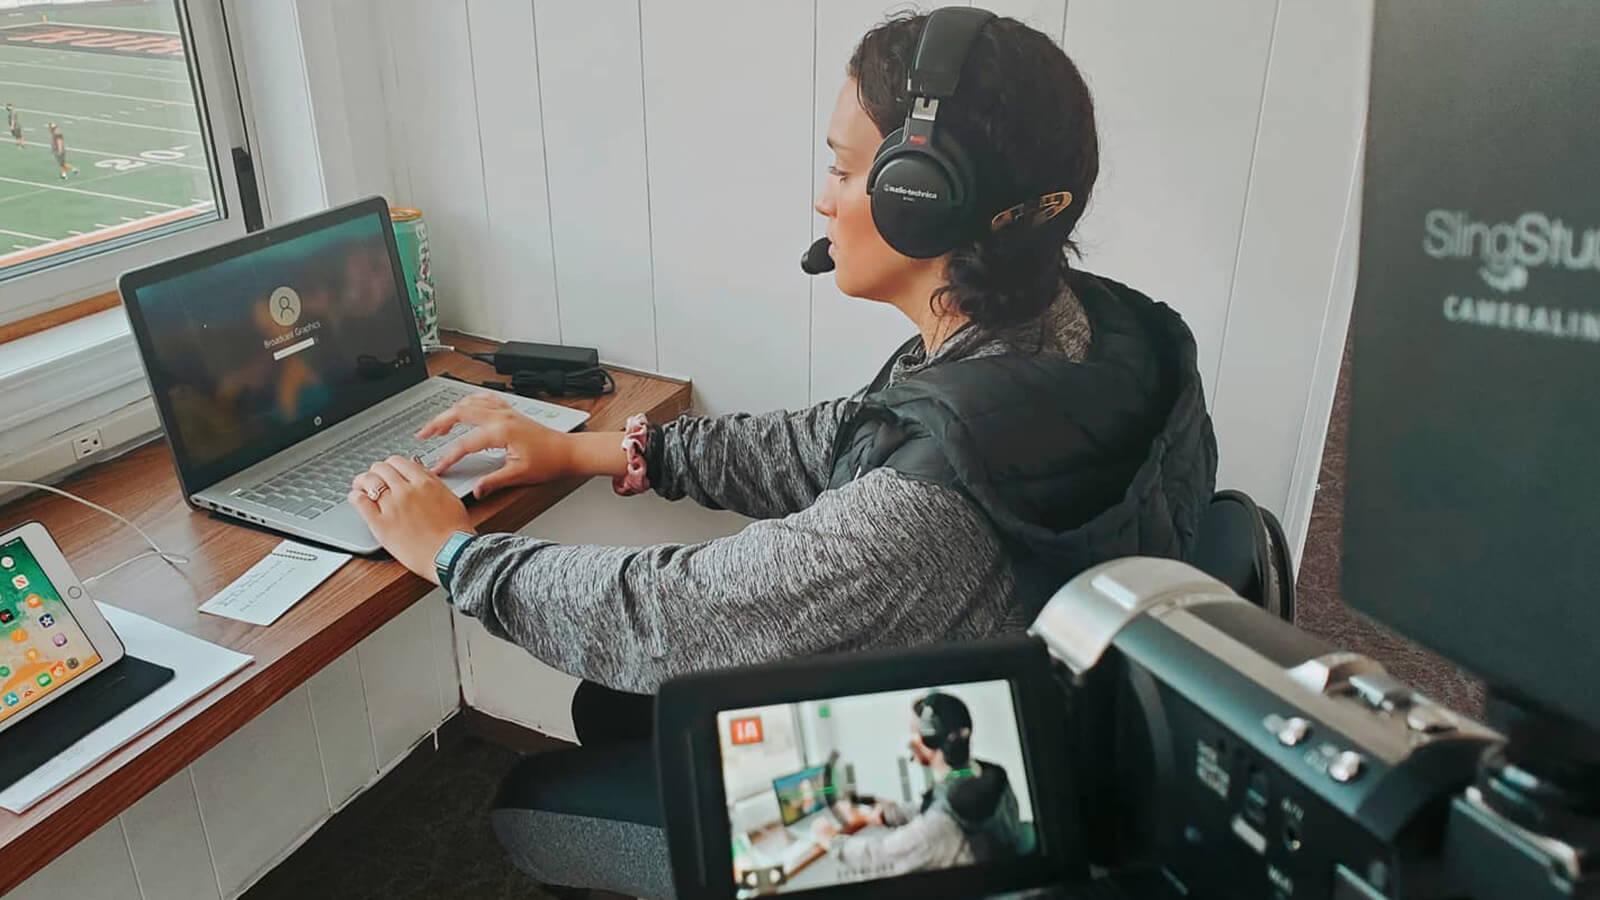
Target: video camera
1155	735
1157	730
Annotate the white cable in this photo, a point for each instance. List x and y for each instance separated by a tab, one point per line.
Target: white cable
176	559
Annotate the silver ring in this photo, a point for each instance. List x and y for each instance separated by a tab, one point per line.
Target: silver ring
374	493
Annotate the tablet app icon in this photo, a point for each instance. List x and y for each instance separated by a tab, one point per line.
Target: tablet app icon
44	679
34	600
47	620
18	636
7	617
20	582
12	699
59	640
8	562
32	654
58	670
5	671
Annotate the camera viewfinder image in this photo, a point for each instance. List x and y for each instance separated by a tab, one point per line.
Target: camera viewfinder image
857	788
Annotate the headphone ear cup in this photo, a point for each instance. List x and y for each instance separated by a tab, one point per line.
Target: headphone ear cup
920	202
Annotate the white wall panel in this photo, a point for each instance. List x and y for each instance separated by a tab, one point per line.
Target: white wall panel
850	337
433	120
1177	88
592	85
342	40
1325	376
1049	16
344	730
168	843
398	671
260	791
96	868
1305	163
519	282
726	89
442	641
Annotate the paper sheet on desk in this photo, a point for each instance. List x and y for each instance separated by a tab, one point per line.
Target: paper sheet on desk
197	666
280	580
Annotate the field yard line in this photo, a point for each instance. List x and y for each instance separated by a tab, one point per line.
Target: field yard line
51	87
90	180
153	162
83	118
69	190
23	234
12	62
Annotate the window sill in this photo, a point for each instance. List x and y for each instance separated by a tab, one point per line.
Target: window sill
60	379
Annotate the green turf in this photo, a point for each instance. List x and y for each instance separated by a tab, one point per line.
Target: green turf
130	124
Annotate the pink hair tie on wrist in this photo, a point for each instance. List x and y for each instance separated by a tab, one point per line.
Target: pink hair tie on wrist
635	441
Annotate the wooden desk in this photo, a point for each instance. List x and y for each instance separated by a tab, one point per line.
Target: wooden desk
349	606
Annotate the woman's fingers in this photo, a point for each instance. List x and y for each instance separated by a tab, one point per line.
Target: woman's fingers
409	469
390	475
469	443
369	485
478	409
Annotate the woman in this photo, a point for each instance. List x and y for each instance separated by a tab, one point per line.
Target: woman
1042	420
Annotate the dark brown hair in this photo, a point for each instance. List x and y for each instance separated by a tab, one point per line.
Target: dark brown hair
1024	114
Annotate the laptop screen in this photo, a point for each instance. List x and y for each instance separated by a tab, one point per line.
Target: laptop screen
801	794
256	345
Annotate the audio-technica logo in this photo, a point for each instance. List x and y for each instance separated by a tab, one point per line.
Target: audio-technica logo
911	192
1509	249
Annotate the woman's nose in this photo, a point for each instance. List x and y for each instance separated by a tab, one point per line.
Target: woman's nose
824	203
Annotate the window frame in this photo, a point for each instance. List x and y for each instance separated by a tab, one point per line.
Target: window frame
218	100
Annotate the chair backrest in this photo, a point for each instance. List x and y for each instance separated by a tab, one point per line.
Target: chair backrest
1243	546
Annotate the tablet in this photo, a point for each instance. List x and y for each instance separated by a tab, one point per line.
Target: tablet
801	774
52	637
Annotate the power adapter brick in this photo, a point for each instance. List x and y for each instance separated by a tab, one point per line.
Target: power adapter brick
524	356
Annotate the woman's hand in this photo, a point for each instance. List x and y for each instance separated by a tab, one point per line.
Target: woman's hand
824	830
533	453
409	510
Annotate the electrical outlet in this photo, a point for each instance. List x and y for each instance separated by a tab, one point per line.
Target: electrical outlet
86	444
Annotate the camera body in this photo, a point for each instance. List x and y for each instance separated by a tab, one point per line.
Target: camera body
1177	741
1250	759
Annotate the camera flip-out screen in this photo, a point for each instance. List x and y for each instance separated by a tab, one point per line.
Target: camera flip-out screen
918	771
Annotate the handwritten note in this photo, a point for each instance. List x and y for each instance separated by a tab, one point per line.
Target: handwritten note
275	584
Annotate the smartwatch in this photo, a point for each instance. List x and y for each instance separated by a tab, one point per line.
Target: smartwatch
444	562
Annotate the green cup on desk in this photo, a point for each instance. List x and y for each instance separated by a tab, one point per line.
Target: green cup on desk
411	236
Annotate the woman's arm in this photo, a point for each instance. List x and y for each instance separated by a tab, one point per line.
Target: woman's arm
762	466
883	561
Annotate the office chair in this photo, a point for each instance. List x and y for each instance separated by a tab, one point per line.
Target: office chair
1243	546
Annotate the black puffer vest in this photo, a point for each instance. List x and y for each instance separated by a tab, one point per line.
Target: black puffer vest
1073	463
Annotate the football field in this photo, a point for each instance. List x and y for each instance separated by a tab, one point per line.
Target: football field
114	79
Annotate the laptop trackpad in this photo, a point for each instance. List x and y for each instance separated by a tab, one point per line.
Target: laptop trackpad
465	473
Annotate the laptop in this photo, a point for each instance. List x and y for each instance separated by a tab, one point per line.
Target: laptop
286	362
802	797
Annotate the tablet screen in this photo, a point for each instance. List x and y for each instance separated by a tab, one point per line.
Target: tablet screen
919	780
42	647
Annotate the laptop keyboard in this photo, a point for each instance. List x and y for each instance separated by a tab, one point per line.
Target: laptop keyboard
322	482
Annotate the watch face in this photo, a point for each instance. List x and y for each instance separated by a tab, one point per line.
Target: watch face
447	556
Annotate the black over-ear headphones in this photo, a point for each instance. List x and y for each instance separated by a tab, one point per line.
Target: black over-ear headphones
923	184
943	723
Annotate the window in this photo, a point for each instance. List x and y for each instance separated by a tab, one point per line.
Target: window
120	121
